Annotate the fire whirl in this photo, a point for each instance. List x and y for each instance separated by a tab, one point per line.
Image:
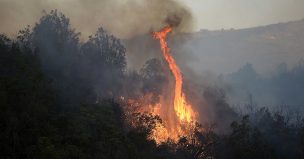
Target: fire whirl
184	113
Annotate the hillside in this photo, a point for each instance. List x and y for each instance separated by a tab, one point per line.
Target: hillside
222	51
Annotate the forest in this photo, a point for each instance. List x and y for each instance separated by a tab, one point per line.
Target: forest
61	97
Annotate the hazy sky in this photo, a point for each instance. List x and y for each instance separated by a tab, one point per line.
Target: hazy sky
87	15
215	14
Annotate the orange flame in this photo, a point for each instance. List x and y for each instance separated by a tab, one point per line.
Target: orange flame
183	110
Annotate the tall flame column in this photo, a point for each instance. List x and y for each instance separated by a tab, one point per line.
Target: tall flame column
183	110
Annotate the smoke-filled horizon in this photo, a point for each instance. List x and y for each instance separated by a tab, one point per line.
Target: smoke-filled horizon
214	52
144	85
124	17
128	19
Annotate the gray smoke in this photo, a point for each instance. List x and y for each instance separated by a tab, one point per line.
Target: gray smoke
123	18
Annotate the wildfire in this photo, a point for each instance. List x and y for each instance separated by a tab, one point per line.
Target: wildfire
177	116
183	111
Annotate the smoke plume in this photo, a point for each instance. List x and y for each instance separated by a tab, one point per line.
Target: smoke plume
123	18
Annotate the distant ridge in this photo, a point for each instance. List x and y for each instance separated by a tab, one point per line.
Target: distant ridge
224	51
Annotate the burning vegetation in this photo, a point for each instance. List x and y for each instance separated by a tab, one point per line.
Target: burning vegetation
63	98
177	120
177	116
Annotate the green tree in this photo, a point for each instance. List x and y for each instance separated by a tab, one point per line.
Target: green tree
104	63
56	44
27	101
246	142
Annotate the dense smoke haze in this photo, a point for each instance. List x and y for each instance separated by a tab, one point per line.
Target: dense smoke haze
98	79
139	18
208	14
203	56
207	58
125	18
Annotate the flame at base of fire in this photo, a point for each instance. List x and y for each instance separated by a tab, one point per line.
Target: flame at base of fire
163	131
170	127
159	133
